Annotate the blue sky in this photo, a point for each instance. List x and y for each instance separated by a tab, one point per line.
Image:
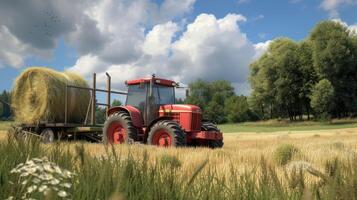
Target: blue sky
155	36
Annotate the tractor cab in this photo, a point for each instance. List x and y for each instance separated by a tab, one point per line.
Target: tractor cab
148	94
151	116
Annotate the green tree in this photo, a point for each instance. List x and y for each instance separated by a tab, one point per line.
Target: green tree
199	93
237	109
322	98
5	99
116	102
100	115
210	97
334	59
1	110
309	76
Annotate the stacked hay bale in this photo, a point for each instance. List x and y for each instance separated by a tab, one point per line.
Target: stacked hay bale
39	96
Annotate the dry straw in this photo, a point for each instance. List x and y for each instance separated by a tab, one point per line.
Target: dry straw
39	95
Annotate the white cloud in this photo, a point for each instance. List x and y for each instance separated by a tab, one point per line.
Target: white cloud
352	28
332	6
242	1
158	40
130	39
260	48
209	49
213	49
13	52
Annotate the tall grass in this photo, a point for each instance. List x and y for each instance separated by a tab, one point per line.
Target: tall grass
124	175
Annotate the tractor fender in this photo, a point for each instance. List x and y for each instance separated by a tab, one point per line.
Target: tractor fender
134	113
153	122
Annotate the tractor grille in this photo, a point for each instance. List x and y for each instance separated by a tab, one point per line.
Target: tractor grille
196	121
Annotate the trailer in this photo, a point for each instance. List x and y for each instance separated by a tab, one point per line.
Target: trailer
89	130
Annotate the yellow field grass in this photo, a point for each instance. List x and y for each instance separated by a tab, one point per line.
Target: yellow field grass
244	150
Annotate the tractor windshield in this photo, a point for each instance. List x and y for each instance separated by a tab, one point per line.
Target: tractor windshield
137	96
164	94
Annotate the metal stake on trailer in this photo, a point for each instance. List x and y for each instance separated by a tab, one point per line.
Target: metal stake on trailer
93	102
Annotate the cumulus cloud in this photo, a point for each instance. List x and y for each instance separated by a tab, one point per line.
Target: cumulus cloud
158	40
130	39
260	48
332	6
352	28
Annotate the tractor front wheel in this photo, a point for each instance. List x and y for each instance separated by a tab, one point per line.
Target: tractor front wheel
118	129
167	133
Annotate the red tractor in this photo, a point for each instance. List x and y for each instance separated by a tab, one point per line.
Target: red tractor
151	116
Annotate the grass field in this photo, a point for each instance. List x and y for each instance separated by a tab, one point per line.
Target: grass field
5	125
283	125
322	167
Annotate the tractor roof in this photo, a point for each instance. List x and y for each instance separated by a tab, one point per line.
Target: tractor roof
160	81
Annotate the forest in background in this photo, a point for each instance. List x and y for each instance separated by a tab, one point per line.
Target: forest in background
315	77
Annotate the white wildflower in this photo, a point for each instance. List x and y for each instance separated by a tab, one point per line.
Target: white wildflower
57	170
54	182
48	168
10	198
46	177
42	188
62	193
66	185
24	182
30	163
36	180
40	175
24	174
31	188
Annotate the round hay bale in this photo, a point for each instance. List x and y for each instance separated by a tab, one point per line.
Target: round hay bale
39	95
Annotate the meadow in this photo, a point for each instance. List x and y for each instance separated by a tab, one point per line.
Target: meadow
270	165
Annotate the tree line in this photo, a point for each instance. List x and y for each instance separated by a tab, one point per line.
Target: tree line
315	77
219	102
5	109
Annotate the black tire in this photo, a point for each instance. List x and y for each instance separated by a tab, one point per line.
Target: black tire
172	128
47	136
209	126
124	119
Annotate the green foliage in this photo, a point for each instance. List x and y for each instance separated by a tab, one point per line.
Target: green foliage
210	97
100	115
116	102
237	109
1	109
284	77
322	98
284	153
334	59
5	110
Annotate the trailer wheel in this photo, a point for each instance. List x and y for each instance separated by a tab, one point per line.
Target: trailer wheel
47	135
118	129
209	126
166	133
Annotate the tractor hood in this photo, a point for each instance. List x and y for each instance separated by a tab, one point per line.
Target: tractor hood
180	108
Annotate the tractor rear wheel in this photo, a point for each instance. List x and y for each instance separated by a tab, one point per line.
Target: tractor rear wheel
118	129
209	126
167	133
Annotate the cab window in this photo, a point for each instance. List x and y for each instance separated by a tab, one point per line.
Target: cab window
137	96
164	95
